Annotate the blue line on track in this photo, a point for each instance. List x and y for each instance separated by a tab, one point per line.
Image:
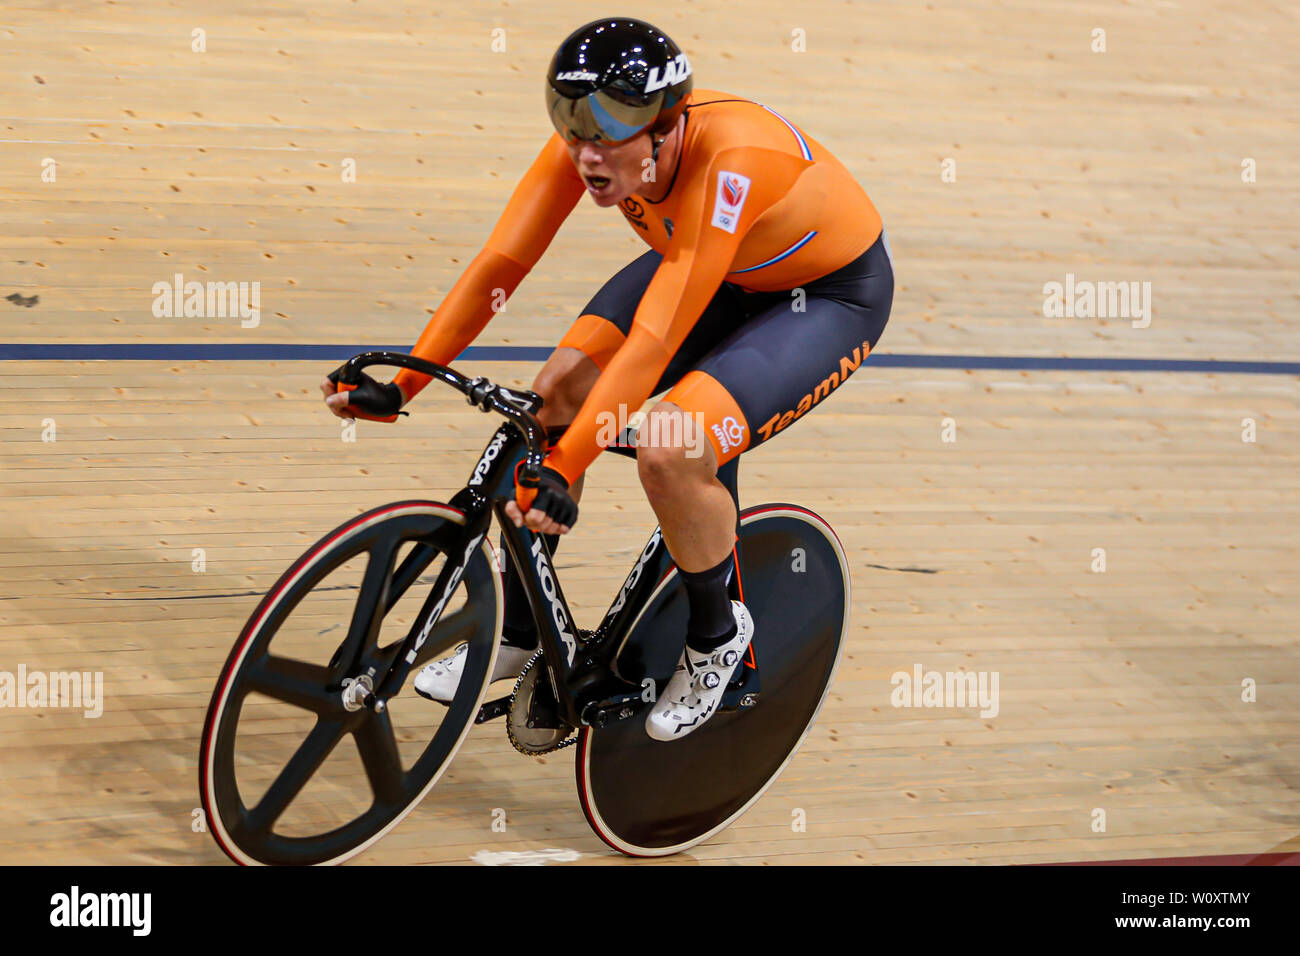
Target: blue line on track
259	352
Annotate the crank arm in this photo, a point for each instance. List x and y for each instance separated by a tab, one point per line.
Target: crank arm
492	710
604	712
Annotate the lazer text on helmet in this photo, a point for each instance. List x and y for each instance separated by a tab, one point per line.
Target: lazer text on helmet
675	70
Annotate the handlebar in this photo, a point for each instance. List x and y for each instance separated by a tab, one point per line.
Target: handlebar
517	406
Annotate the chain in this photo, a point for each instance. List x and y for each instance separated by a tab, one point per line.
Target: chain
510	733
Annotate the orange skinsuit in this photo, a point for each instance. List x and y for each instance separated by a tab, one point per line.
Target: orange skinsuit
795	187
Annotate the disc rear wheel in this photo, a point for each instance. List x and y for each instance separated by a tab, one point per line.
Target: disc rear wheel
646	797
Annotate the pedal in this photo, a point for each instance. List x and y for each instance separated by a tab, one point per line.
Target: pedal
742	691
737	698
605	712
492	710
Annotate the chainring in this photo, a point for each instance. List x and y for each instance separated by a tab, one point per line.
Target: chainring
534	741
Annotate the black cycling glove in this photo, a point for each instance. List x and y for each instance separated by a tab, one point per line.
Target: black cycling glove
371	400
553	498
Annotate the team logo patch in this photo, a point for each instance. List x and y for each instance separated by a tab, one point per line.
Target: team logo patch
730	434
733	190
634	212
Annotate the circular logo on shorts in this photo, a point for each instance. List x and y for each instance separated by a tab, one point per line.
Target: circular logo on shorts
729	433
735	431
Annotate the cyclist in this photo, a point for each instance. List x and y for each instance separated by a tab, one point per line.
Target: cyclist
767	282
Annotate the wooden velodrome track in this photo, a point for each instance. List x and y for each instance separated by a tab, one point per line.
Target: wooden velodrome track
1120	691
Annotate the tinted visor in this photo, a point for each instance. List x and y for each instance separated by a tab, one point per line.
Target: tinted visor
600	117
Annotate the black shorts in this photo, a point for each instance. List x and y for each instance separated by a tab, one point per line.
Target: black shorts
755	362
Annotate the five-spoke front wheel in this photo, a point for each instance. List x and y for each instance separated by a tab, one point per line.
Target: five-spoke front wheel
295	768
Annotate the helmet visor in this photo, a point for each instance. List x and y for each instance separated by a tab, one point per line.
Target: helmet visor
600	117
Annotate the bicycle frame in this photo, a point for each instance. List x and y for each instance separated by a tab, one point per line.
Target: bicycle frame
583	678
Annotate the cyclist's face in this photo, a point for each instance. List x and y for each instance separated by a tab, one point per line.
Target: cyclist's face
612	173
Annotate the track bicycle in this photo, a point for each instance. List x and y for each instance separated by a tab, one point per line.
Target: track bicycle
341	674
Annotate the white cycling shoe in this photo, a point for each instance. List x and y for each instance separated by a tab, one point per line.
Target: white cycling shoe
439	679
696	687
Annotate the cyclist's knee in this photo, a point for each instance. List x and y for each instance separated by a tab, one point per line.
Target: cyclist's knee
671	449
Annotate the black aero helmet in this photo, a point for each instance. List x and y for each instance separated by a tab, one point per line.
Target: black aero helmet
614	79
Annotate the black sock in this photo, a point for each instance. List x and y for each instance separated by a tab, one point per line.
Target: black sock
712	622
518	628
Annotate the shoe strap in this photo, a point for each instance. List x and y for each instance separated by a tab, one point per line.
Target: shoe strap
707	680
729	657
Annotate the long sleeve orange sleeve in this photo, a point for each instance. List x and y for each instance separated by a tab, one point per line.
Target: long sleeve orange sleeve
539	205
